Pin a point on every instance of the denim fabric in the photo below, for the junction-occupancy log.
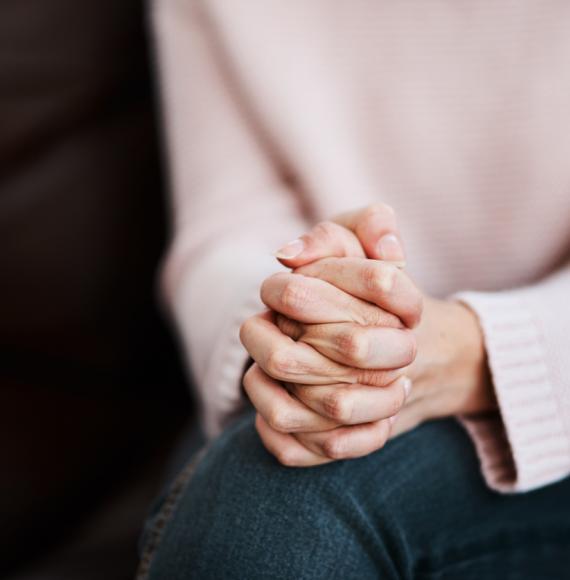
(418, 508)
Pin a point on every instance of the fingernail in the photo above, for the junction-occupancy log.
(407, 386)
(290, 250)
(392, 419)
(390, 248)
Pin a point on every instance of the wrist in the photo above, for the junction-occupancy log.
(450, 373)
(474, 385)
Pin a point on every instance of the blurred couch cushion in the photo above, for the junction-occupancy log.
(81, 210)
(90, 383)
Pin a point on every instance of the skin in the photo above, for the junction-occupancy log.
(346, 335)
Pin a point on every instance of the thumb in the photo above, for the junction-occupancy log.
(377, 230)
(325, 240)
(371, 232)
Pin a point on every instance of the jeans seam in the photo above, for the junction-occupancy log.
(164, 515)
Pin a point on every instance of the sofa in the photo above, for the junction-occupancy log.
(93, 396)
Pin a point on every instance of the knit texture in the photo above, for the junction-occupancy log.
(282, 113)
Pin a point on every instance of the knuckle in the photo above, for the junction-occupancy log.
(286, 456)
(294, 296)
(277, 363)
(379, 277)
(279, 420)
(338, 406)
(370, 276)
(354, 345)
(335, 447)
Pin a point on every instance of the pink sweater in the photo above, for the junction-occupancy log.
(281, 113)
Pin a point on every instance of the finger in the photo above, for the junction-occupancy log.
(365, 347)
(281, 411)
(354, 404)
(287, 360)
(311, 300)
(377, 230)
(347, 442)
(296, 362)
(286, 448)
(378, 282)
(326, 239)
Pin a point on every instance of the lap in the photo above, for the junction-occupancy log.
(418, 508)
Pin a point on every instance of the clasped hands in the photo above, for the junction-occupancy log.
(344, 340)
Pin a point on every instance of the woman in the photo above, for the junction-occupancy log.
(456, 115)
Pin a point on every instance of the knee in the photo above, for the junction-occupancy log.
(243, 515)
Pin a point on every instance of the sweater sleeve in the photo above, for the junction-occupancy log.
(527, 444)
(231, 207)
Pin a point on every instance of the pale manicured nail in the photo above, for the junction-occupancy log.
(290, 250)
(407, 386)
(390, 248)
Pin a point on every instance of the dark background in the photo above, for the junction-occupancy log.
(92, 394)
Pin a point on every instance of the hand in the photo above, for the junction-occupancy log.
(327, 387)
(450, 373)
(371, 232)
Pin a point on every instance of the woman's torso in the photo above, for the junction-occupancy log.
(456, 113)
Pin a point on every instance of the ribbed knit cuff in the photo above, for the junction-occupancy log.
(524, 446)
(221, 386)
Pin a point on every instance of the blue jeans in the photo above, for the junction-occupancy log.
(417, 509)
